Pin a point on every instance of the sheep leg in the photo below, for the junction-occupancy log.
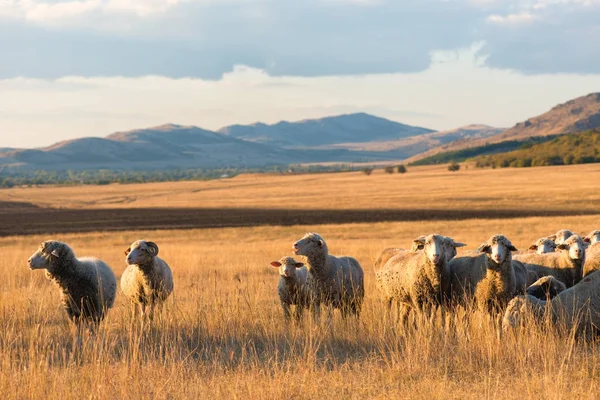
(286, 311)
(299, 311)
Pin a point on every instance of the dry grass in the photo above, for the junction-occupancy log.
(566, 187)
(223, 335)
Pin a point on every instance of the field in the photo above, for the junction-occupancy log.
(223, 335)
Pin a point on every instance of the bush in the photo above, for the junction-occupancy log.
(401, 169)
(454, 167)
(389, 170)
(367, 171)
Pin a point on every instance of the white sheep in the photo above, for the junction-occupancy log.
(292, 287)
(544, 245)
(566, 264)
(336, 282)
(592, 259)
(546, 288)
(490, 278)
(577, 308)
(417, 279)
(88, 286)
(592, 237)
(147, 281)
(561, 236)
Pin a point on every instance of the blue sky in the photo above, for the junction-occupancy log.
(90, 67)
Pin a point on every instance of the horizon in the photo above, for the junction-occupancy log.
(87, 68)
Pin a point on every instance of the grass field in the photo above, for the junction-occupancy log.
(223, 335)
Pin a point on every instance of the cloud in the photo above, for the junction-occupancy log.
(523, 17)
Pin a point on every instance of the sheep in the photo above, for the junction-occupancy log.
(577, 308)
(592, 259)
(88, 286)
(546, 288)
(147, 281)
(544, 245)
(561, 236)
(388, 253)
(292, 287)
(566, 264)
(336, 282)
(592, 237)
(492, 279)
(416, 279)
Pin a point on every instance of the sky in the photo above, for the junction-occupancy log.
(92, 67)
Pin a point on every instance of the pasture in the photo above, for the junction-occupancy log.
(222, 334)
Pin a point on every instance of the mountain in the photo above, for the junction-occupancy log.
(580, 114)
(310, 133)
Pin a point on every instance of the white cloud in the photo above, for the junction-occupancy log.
(520, 18)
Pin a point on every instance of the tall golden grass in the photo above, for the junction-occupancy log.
(222, 334)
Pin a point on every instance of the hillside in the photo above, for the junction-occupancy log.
(576, 148)
(576, 115)
(310, 133)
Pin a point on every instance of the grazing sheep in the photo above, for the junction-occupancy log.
(292, 287)
(147, 280)
(336, 282)
(592, 259)
(566, 264)
(88, 286)
(416, 279)
(577, 307)
(546, 288)
(543, 245)
(561, 236)
(491, 278)
(592, 237)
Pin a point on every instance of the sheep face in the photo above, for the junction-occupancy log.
(141, 252)
(592, 237)
(449, 247)
(309, 244)
(543, 245)
(433, 247)
(561, 236)
(497, 248)
(47, 255)
(287, 266)
(575, 246)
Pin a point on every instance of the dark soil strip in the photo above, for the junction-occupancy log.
(24, 221)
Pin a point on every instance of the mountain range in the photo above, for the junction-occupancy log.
(345, 138)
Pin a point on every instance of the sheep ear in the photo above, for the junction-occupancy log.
(320, 243)
(299, 265)
(55, 253)
(562, 246)
(552, 237)
(458, 244)
(512, 248)
(533, 247)
(587, 239)
(484, 248)
(276, 264)
(418, 243)
(153, 247)
(127, 251)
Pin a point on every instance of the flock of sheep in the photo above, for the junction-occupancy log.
(555, 278)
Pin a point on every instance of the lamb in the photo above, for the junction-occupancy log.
(147, 281)
(566, 264)
(492, 279)
(417, 279)
(544, 245)
(561, 236)
(577, 308)
(88, 286)
(336, 282)
(592, 237)
(292, 287)
(546, 288)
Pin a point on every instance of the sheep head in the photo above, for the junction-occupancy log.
(433, 246)
(544, 245)
(310, 244)
(562, 235)
(48, 254)
(592, 237)
(497, 248)
(450, 247)
(287, 266)
(575, 246)
(141, 252)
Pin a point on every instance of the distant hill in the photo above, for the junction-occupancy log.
(576, 115)
(310, 133)
(576, 148)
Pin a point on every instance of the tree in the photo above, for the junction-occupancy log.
(453, 167)
(367, 171)
(401, 169)
(389, 170)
